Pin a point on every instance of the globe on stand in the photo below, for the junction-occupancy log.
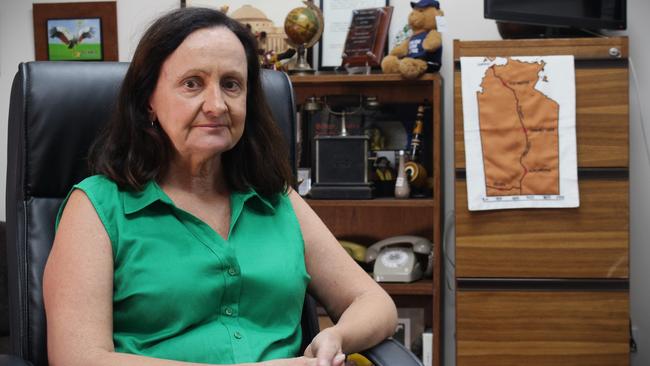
(304, 27)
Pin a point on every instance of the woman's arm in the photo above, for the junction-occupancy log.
(78, 295)
(78, 287)
(363, 311)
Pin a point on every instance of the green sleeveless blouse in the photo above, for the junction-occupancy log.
(182, 292)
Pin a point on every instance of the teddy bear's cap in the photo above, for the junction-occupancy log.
(425, 4)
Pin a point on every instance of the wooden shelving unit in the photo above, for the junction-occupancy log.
(422, 287)
(367, 221)
(377, 202)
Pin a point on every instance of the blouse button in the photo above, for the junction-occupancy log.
(228, 311)
(232, 271)
(237, 335)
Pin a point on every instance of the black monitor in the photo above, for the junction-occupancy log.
(582, 14)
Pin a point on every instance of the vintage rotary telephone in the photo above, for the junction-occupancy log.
(402, 258)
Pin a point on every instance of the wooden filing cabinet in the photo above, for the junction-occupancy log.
(550, 286)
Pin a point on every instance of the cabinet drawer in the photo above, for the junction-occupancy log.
(580, 48)
(535, 328)
(601, 118)
(586, 242)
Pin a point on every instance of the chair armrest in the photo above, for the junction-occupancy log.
(391, 352)
(10, 360)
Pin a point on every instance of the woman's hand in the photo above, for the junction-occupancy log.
(326, 347)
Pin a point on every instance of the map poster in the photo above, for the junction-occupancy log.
(520, 132)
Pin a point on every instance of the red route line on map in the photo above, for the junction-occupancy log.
(523, 127)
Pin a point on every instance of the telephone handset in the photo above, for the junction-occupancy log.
(356, 251)
(400, 258)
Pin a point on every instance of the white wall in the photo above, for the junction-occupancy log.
(639, 33)
(17, 45)
(465, 19)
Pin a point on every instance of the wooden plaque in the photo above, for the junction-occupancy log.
(364, 44)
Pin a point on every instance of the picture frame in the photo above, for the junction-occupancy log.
(85, 31)
(413, 320)
(338, 17)
(403, 332)
(74, 39)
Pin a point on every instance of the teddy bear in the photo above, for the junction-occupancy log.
(422, 52)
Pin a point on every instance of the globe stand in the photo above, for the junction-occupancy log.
(302, 67)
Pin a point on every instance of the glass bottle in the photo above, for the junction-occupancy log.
(402, 187)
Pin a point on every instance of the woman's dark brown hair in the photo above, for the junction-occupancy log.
(131, 152)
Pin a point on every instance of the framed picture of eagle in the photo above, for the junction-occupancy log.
(75, 31)
(74, 39)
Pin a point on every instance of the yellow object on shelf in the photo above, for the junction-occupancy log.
(356, 251)
(417, 174)
(356, 359)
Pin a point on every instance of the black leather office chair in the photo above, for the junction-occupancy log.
(56, 110)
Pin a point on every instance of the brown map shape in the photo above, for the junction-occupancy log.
(519, 132)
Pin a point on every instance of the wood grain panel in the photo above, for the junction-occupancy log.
(421, 287)
(581, 48)
(378, 203)
(586, 242)
(368, 224)
(541, 328)
(388, 88)
(322, 78)
(602, 117)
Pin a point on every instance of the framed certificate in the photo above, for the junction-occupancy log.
(338, 16)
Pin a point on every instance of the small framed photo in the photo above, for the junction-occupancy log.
(74, 39)
(85, 31)
(413, 320)
(403, 332)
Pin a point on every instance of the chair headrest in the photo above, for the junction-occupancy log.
(57, 109)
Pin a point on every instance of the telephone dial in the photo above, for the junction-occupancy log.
(404, 258)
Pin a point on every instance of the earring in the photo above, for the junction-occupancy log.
(152, 116)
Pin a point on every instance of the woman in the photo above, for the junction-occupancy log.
(188, 246)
